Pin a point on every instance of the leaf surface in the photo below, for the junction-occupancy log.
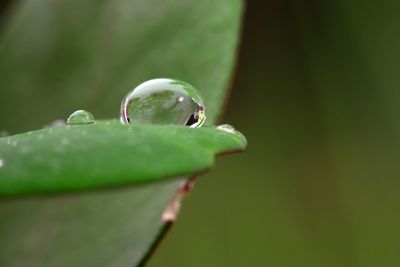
(70, 158)
(60, 56)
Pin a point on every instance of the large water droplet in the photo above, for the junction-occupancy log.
(80, 117)
(163, 101)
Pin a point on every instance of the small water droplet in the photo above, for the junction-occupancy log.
(1, 163)
(56, 123)
(4, 133)
(80, 117)
(231, 130)
(14, 143)
(163, 101)
(226, 128)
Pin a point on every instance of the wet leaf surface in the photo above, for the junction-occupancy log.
(60, 56)
(70, 158)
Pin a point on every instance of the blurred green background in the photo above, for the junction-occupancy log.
(316, 92)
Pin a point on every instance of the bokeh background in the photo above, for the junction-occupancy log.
(316, 91)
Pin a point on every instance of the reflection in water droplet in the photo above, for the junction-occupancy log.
(80, 117)
(1, 163)
(226, 128)
(163, 101)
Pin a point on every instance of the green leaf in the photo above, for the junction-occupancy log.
(60, 56)
(99, 228)
(70, 158)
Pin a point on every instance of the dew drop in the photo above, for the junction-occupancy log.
(231, 130)
(80, 117)
(226, 128)
(163, 101)
(1, 163)
(56, 123)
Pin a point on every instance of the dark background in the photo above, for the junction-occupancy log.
(316, 92)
